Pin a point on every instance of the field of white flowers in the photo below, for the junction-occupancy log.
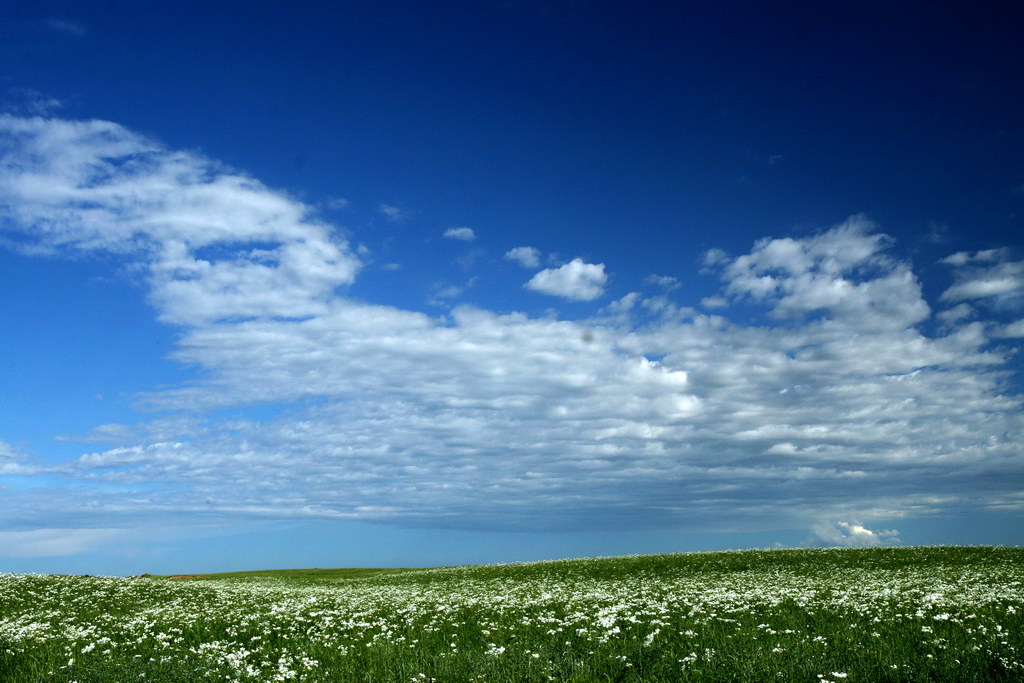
(894, 614)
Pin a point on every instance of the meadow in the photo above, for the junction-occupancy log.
(836, 615)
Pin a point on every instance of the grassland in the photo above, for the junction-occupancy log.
(297, 575)
(885, 614)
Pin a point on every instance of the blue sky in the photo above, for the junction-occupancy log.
(407, 284)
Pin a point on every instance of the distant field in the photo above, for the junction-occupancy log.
(892, 614)
(293, 574)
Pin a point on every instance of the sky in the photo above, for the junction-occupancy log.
(417, 284)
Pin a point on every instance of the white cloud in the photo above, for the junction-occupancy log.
(964, 257)
(956, 314)
(216, 243)
(527, 257)
(649, 415)
(624, 305)
(413, 413)
(666, 282)
(449, 292)
(465, 234)
(443, 292)
(853, 535)
(576, 280)
(842, 271)
(7, 451)
(958, 259)
(12, 461)
(983, 275)
(1014, 330)
(714, 257)
(713, 302)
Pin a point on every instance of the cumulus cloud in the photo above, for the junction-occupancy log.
(853, 535)
(465, 234)
(527, 257)
(842, 271)
(576, 280)
(647, 415)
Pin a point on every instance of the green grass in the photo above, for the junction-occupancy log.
(892, 614)
(298, 575)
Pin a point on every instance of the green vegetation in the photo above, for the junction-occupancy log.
(291, 574)
(885, 614)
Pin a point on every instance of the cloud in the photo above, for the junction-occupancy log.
(527, 257)
(338, 203)
(938, 233)
(853, 535)
(392, 213)
(986, 274)
(450, 292)
(842, 271)
(956, 314)
(464, 234)
(216, 244)
(576, 280)
(56, 542)
(714, 257)
(964, 257)
(12, 461)
(666, 282)
(33, 102)
(713, 302)
(648, 415)
(1014, 330)
(66, 27)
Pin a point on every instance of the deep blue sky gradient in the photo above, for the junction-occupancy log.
(636, 135)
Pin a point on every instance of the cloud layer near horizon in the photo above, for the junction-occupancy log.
(647, 415)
